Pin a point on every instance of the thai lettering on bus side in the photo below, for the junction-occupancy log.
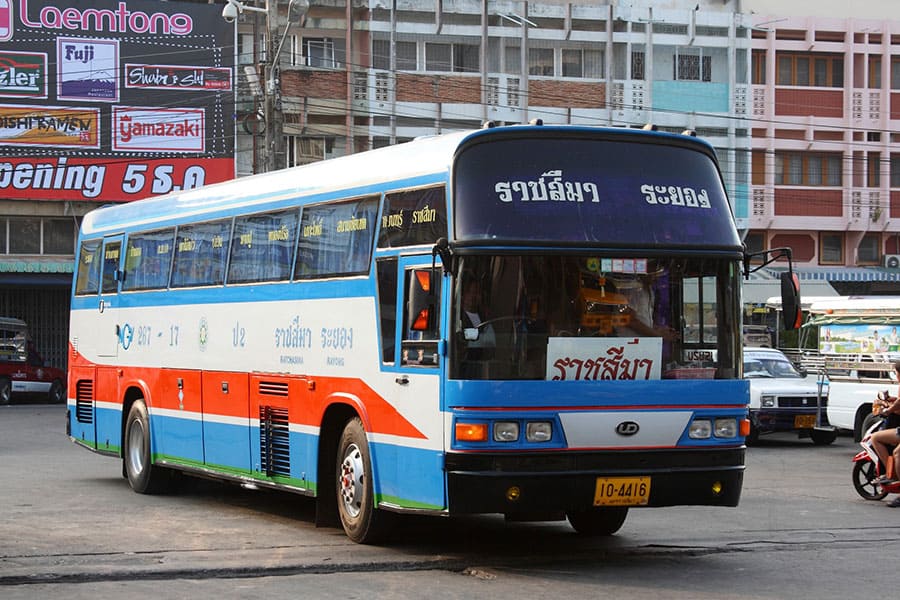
(554, 189)
(238, 336)
(425, 214)
(393, 221)
(675, 195)
(614, 367)
(312, 230)
(293, 336)
(352, 224)
(339, 338)
(280, 235)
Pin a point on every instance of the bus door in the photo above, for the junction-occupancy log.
(420, 359)
(109, 333)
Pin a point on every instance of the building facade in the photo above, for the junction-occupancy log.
(825, 159)
(101, 101)
(802, 110)
(363, 75)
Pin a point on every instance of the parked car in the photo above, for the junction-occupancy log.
(22, 370)
(785, 399)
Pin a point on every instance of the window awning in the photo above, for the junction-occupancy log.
(39, 272)
(758, 291)
(37, 266)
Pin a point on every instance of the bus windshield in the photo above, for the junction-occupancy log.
(591, 317)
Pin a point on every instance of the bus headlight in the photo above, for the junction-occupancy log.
(539, 431)
(701, 429)
(726, 428)
(506, 431)
(767, 401)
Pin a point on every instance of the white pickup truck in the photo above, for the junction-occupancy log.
(854, 380)
(785, 399)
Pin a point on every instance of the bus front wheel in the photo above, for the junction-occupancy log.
(598, 521)
(362, 522)
(143, 476)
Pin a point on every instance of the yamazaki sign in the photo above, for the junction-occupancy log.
(109, 180)
(113, 100)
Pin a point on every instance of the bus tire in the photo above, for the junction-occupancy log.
(363, 523)
(143, 476)
(597, 521)
(5, 391)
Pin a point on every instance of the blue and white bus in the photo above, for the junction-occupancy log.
(537, 321)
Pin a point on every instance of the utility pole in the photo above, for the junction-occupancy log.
(274, 147)
(273, 157)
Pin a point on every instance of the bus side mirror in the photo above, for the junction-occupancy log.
(420, 301)
(790, 301)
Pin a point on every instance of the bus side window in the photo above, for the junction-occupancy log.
(87, 280)
(387, 305)
(111, 271)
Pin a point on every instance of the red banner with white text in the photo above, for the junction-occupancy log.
(107, 180)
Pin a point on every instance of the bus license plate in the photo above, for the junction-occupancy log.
(622, 491)
(804, 421)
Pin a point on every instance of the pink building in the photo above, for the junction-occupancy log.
(825, 176)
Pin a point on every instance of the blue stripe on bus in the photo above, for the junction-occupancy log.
(410, 477)
(266, 292)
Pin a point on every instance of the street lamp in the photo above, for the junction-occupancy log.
(273, 117)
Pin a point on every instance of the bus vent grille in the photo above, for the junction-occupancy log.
(274, 388)
(84, 398)
(274, 441)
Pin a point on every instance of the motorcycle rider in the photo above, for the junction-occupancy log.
(889, 436)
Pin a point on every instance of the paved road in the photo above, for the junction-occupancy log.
(70, 517)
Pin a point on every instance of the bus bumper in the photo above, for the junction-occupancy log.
(482, 483)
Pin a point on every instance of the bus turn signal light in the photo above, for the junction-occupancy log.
(745, 427)
(471, 432)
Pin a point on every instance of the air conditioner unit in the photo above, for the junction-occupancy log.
(892, 261)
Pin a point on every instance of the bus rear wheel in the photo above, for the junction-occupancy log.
(597, 521)
(362, 522)
(143, 476)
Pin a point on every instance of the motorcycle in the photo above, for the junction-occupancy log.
(866, 465)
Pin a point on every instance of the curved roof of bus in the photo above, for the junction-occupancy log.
(431, 155)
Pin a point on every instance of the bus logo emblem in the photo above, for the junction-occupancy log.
(627, 428)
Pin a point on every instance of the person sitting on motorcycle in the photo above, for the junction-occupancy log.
(889, 436)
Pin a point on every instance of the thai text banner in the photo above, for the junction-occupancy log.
(69, 178)
(591, 191)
